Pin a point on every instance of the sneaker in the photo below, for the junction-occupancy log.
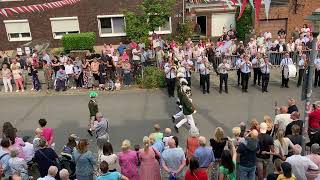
(31, 89)
(17, 90)
(22, 90)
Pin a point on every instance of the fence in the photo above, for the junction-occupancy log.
(274, 57)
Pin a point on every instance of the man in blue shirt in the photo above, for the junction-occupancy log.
(204, 154)
(121, 48)
(106, 175)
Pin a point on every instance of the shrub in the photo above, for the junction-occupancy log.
(81, 41)
(152, 78)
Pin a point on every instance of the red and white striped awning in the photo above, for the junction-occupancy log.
(6, 12)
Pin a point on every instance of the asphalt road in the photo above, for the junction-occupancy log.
(132, 113)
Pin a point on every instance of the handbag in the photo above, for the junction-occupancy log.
(56, 162)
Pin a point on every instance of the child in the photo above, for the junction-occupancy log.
(6, 78)
(157, 133)
(117, 85)
(35, 80)
(167, 136)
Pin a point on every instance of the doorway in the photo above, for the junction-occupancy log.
(202, 23)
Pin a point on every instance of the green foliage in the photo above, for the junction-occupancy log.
(136, 28)
(157, 12)
(153, 77)
(80, 41)
(244, 24)
(184, 31)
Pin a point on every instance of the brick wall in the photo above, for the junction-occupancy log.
(293, 20)
(85, 10)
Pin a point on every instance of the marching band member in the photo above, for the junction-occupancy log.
(188, 66)
(238, 63)
(170, 71)
(302, 65)
(187, 109)
(223, 69)
(256, 69)
(245, 72)
(265, 71)
(285, 62)
(317, 72)
(180, 84)
(93, 110)
(205, 75)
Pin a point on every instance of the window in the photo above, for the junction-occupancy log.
(18, 30)
(64, 25)
(166, 29)
(111, 25)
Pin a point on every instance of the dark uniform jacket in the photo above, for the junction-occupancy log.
(93, 107)
(187, 106)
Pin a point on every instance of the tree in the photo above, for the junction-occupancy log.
(156, 12)
(184, 31)
(136, 27)
(244, 24)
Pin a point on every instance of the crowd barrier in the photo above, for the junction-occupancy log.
(274, 57)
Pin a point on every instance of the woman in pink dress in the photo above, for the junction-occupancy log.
(150, 168)
(128, 161)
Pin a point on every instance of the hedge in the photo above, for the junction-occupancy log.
(80, 41)
(153, 77)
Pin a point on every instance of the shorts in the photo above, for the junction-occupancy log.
(262, 163)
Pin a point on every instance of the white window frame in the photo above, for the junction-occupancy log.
(110, 34)
(61, 19)
(20, 35)
(159, 31)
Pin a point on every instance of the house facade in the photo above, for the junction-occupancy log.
(104, 17)
(212, 15)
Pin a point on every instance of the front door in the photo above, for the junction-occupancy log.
(202, 23)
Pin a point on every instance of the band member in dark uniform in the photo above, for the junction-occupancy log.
(265, 71)
(93, 109)
(170, 71)
(245, 72)
(205, 75)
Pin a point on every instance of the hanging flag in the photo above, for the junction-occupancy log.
(243, 7)
(36, 7)
(257, 10)
(267, 7)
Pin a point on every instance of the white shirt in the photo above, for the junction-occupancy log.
(203, 69)
(187, 64)
(28, 151)
(317, 63)
(265, 67)
(115, 59)
(255, 63)
(282, 120)
(170, 72)
(238, 63)
(135, 55)
(68, 68)
(285, 62)
(223, 68)
(245, 67)
(301, 64)
(112, 161)
(300, 165)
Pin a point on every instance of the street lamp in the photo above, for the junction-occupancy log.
(307, 87)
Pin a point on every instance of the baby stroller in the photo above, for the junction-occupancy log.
(67, 162)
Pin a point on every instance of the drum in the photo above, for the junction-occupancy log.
(292, 70)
